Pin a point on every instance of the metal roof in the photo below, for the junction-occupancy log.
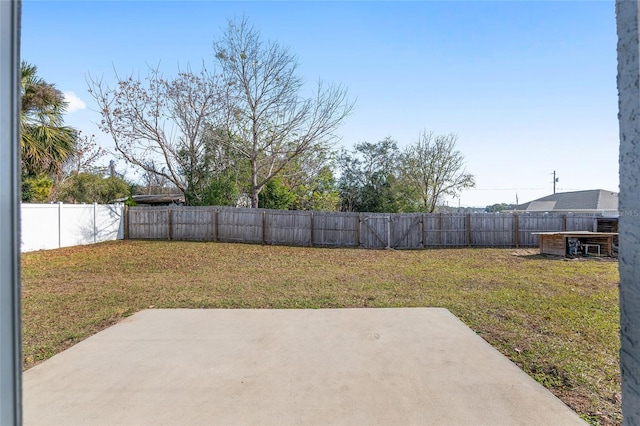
(156, 199)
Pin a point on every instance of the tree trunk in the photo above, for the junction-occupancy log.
(254, 185)
(254, 198)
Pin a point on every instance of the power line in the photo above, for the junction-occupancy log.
(504, 189)
(523, 189)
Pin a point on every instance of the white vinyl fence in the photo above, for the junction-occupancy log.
(51, 226)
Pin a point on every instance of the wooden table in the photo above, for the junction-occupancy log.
(556, 243)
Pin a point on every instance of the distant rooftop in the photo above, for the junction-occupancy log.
(158, 200)
(594, 200)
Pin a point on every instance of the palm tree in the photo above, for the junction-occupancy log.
(45, 141)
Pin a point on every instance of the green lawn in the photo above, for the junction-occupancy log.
(557, 319)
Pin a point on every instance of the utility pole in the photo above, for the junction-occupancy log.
(555, 179)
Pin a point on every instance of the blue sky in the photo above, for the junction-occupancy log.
(528, 87)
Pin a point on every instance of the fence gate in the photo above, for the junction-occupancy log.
(407, 231)
(375, 230)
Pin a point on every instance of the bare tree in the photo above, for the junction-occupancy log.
(160, 125)
(433, 168)
(273, 124)
(85, 157)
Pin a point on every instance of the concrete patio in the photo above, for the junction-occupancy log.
(283, 367)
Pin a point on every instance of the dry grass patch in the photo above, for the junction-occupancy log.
(558, 320)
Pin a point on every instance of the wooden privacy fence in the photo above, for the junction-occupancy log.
(338, 229)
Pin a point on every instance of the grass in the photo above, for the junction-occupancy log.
(558, 320)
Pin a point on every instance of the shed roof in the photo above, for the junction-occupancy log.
(157, 199)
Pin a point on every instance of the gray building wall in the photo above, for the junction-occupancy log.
(10, 342)
(629, 206)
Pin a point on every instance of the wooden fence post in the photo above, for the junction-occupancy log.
(468, 226)
(214, 224)
(310, 229)
(422, 230)
(564, 223)
(264, 222)
(126, 222)
(169, 225)
(358, 230)
(439, 222)
(516, 230)
(217, 224)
